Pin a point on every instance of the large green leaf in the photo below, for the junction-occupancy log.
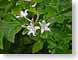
(37, 46)
(12, 32)
(9, 29)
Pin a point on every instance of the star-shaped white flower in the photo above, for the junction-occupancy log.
(44, 26)
(32, 29)
(23, 14)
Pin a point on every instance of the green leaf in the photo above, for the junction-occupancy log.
(10, 28)
(1, 39)
(59, 19)
(37, 46)
(51, 44)
(51, 11)
(12, 32)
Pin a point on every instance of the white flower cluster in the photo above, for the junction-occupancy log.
(32, 29)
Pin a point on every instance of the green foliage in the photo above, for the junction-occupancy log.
(14, 38)
(1, 40)
(37, 46)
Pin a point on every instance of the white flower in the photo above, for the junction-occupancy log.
(23, 14)
(32, 29)
(44, 26)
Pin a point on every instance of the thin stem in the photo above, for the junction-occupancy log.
(28, 19)
(37, 17)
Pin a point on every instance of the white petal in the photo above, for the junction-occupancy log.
(17, 16)
(29, 32)
(42, 30)
(23, 33)
(26, 14)
(33, 33)
(31, 24)
(43, 21)
(48, 24)
(34, 4)
(26, 10)
(40, 23)
(23, 14)
(48, 29)
(28, 27)
(37, 27)
(23, 26)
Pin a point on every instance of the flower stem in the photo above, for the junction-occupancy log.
(37, 17)
(28, 19)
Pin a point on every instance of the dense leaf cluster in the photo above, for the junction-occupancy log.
(57, 41)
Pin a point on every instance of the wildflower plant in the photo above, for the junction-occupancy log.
(36, 26)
